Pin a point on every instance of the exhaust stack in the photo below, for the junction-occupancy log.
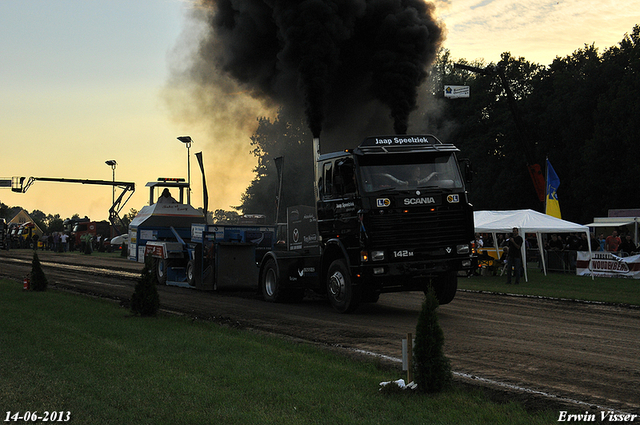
(316, 157)
(316, 148)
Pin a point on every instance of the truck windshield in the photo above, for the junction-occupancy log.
(415, 171)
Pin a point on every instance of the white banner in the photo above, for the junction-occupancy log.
(607, 264)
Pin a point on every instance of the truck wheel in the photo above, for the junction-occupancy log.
(343, 295)
(191, 270)
(269, 282)
(445, 287)
(161, 271)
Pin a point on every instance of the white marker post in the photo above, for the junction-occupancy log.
(407, 357)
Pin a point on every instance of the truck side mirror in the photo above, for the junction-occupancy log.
(467, 171)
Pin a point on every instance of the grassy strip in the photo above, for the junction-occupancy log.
(64, 352)
(560, 285)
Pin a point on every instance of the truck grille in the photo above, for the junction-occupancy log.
(418, 228)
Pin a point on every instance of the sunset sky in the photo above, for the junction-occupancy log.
(84, 82)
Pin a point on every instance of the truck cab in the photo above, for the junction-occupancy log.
(397, 206)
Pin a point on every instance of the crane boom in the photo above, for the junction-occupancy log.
(18, 184)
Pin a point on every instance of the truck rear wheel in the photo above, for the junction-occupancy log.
(343, 295)
(269, 282)
(272, 290)
(445, 287)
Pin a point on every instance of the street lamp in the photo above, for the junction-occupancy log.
(187, 141)
(112, 163)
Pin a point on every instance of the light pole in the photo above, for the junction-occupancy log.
(112, 163)
(187, 141)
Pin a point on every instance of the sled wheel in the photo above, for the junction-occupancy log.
(161, 271)
(191, 270)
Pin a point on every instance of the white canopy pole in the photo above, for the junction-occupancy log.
(495, 244)
(523, 252)
(589, 245)
(541, 249)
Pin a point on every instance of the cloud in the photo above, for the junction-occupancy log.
(537, 30)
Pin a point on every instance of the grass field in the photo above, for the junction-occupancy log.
(69, 353)
(560, 285)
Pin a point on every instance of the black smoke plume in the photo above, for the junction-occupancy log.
(339, 60)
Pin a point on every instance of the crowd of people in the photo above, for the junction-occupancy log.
(63, 242)
(568, 242)
(558, 246)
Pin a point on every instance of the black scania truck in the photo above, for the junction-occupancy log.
(391, 215)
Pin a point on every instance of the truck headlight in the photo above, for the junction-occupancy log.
(377, 255)
(463, 249)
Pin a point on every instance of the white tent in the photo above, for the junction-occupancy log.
(527, 221)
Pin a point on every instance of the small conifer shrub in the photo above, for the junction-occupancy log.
(145, 300)
(432, 369)
(38, 279)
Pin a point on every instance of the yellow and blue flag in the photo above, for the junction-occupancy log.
(552, 204)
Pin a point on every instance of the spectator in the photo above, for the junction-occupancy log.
(612, 242)
(555, 244)
(514, 258)
(584, 242)
(627, 246)
(595, 242)
(479, 242)
(573, 242)
(56, 242)
(44, 240)
(64, 240)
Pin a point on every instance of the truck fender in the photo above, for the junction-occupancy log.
(267, 256)
(333, 249)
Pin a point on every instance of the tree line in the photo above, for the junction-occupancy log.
(582, 112)
(49, 223)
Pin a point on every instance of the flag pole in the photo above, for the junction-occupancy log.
(546, 183)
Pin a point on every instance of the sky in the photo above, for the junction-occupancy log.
(86, 81)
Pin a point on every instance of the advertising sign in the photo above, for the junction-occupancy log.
(302, 227)
(454, 92)
(607, 264)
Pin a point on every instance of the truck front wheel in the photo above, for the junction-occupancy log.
(343, 295)
(445, 287)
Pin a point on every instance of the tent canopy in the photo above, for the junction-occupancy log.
(527, 221)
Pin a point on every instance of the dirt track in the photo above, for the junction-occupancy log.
(584, 352)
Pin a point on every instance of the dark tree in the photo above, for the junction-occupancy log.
(145, 300)
(38, 279)
(432, 369)
(582, 112)
(287, 137)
